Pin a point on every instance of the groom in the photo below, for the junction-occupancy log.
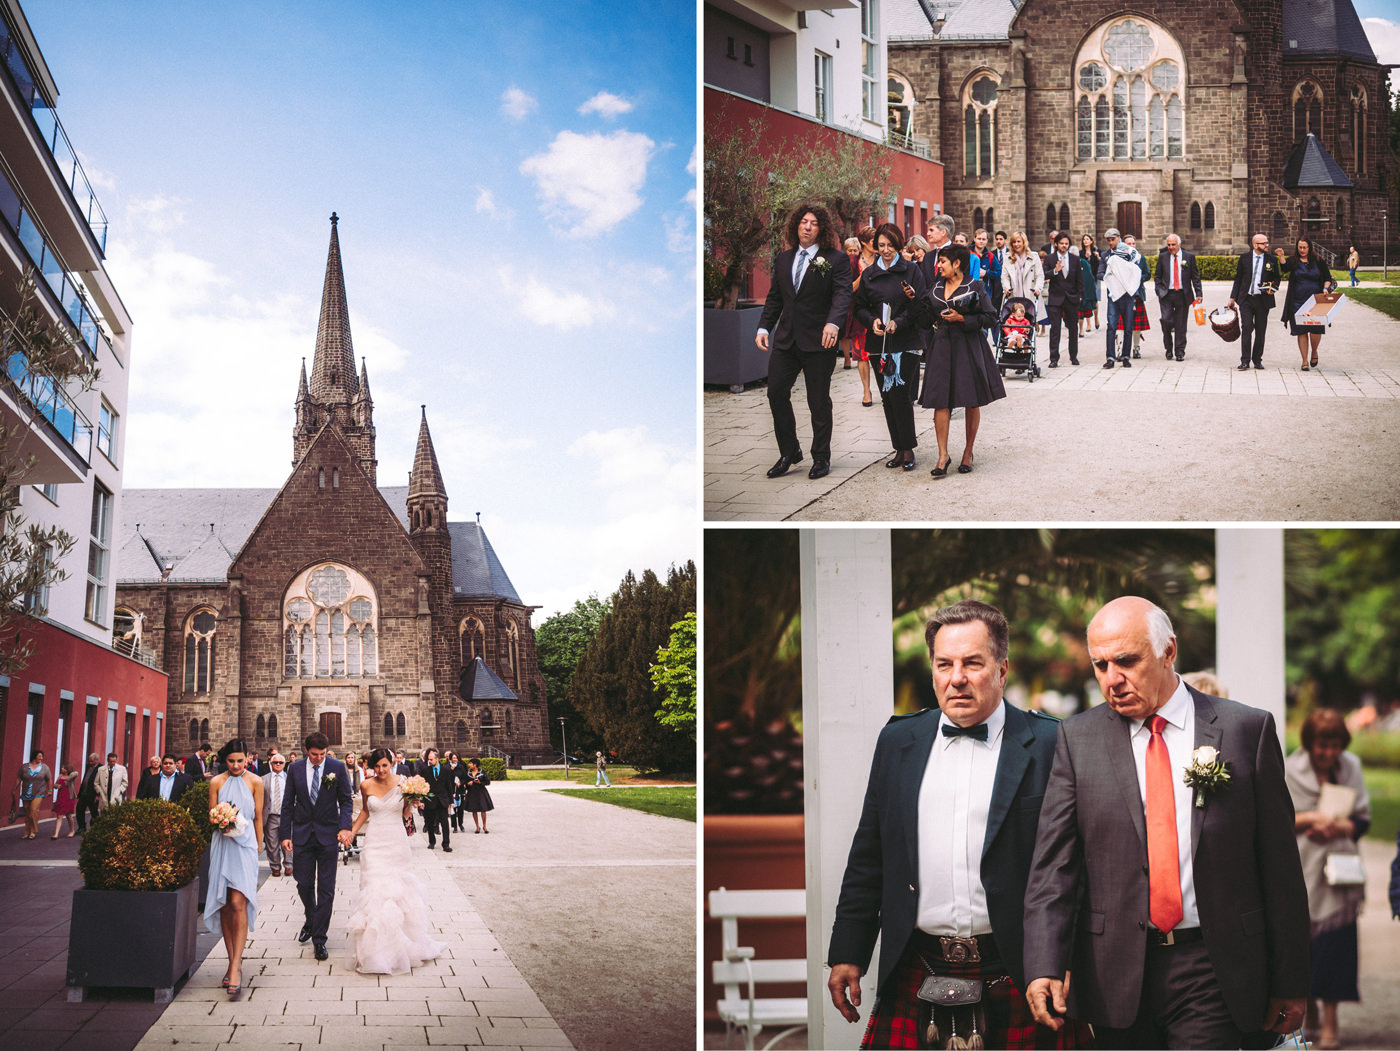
(316, 808)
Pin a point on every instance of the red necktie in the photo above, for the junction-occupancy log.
(1163, 869)
(1176, 272)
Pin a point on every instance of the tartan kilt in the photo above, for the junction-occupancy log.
(894, 1022)
(1139, 317)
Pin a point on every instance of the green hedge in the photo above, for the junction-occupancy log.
(493, 768)
(1211, 267)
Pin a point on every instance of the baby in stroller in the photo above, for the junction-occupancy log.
(1016, 326)
(1016, 342)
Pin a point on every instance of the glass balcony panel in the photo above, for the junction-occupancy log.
(53, 273)
(9, 204)
(30, 237)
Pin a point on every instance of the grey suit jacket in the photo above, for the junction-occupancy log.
(879, 894)
(267, 810)
(1087, 902)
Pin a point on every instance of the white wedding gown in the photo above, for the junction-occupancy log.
(388, 926)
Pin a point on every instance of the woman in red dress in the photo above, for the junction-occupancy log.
(67, 802)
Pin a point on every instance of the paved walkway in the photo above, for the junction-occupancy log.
(1199, 440)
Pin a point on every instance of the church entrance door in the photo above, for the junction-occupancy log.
(1130, 218)
(330, 726)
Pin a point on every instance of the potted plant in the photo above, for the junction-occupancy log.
(133, 922)
(196, 799)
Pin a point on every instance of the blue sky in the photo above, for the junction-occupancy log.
(1381, 20)
(515, 186)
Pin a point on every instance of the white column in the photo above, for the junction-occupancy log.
(847, 696)
(1249, 646)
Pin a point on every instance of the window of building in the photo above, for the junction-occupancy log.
(1129, 76)
(401, 725)
(320, 478)
(1358, 129)
(488, 723)
(509, 724)
(272, 727)
(36, 602)
(472, 636)
(1314, 208)
(1280, 231)
(200, 631)
(991, 222)
(870, 100)
(261, 730)
(50, 491)
(389, 722)
(107, 431)
(513, 654)
(1195, 215)
(900, 95)
(1210, 216)
(821, 72)
(462, 732)
(194, 731)
(980, 126)
(335, 477)
(976, 219)
(99, 554)
(329, 618)
(1064, 218)
(1049, 219)
(203, 730)
(1341, 215)
(1307, 109)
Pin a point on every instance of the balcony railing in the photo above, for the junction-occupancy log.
(52, 403)
(46, 121)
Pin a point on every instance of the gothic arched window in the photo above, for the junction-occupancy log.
(1064, 218)
(900, 109)
(1280, 232)
(1195, 215)
(1358, 129)
(203, 730)
(980, 126)
(328, 625)
(1307, 109)
(401, 725)
(1210, 216)
(388, 725)
(513, 654)
(976, 219)
(261, 730)
(200, 630)
(462, 732)
(272, 727)
(194, 731)
(991, 220)
(472, 636)
(1129, 78)
(509, 727)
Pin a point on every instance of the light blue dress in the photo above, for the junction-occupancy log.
(233, 860)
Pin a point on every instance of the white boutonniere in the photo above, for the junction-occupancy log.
(822, 265)
(1206, 773)
(329, 779)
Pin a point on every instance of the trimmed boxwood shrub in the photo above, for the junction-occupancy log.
(195, 799)
(1212, 267)
(146, 844)
(493, 768)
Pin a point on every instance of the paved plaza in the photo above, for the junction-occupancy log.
(572, 924)
(1163, 441)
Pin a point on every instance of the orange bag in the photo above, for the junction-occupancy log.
(1200, 315)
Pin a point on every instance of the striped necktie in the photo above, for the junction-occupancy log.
(315, 783)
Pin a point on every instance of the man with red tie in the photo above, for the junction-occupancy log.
(1178, 288)
(1173, 897)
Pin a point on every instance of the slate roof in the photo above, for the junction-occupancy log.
(980, 20)
(197, 532)
(1324, 27)
(1310, 165)
(480, 683)
(907, 20)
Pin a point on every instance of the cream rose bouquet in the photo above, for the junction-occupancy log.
(416, 788)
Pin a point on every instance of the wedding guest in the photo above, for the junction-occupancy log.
(150, 779)
(852, 247)
(111, 783)
(1089, 255)
(1021, 273)
(459, 772)
(274, 787)
(866, 258)
(1308, 276)
(478, 799)
(35, 781)
(87, 794)
(1324, 760)
(67, 800)
(231, 906)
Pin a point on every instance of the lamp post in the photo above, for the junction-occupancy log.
(563, 740)
(1385, 261)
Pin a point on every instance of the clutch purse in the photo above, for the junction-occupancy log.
(1344, 870)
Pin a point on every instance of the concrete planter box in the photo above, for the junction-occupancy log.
(132, 939)
(731, 359)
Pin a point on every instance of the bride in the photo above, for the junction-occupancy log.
(388, 925)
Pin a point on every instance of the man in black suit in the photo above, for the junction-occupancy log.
(806, 308)
(940, 235)
(1257, 277)
(87, 793)
(1178, 906)
(1065, 277)
(200, 765)
(442, 783)
(317, 808)
(950, 814)
(1178, 288)
(168, 784)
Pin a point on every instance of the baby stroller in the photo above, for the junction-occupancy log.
(1021, 358)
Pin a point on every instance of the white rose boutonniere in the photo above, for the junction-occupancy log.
(329, 779)
(822, 265)
(1206, 773)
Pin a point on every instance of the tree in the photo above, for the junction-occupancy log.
(741, 170)
(674, 675)
(612, 685)
(852, 179)
(559, 643)
(40, 361)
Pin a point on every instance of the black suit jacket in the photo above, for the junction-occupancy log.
(1065, 289)
(444, 786)
(150, 786)
(1244, 275)
(1087, 902)
(301, 820)
(879, 894)
(795, 319)
(1190, 275)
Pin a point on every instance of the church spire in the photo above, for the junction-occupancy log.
(425, 480)
(333, 375)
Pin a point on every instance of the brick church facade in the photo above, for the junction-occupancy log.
(332, 603)
(1153, 116)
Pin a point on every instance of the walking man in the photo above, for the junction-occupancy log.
(1120, 277)
(1257, 277)
(1178, 288)
(1065, 279)
(274, 790)
(316, 814)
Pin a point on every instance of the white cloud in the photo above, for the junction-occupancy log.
(554, 307)
(680, 233)
(607, 105)
(486, 202)
(591, 181)
(517, 104)
(1384, 35)
(691, 164)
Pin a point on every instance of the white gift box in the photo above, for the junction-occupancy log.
(1320, 310)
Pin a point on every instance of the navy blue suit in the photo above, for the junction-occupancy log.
(313, 830)
(879, 894)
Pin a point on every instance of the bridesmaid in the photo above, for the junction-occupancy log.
(232, 900)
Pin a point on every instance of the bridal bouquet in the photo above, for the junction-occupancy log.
(226, 818)
(416, 788)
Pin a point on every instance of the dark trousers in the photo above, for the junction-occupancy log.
(1120, 308)
(816, 369)
(899, 404)
(1069, 313)
(1254, 316)
(1176, 312)
(313, 868)
(86, 809)
(435, 820)
(1181, 1005)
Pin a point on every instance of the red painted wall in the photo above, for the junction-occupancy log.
(65, 662)
(919, 180)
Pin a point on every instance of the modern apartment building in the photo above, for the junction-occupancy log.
(75, 694)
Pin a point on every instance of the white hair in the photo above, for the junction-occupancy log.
(1159, 630)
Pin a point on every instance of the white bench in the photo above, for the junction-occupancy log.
(739, 972)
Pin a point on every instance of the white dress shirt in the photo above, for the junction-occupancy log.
(1258, 270)
(277, 789)
(1180, 738)
(167, 782)
(954, 800)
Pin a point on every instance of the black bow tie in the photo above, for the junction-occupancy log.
(953, 730)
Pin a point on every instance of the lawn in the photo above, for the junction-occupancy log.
(1383, 299)
(667, 802)
(585, 774)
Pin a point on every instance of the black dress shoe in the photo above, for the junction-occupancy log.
(1258, 364)
(910, 464)
(1241, 368)
(1054, 364)
(1108, 364)
(820, 469)
(1125, 363)
(1074, 361)
(1137, 353)
(447, 850)
(321, 953)
(895, 460)
(784, 463)
(1181, 357)
(1169, 355)
(305, 935)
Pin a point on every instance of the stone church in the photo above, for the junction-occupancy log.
(1214, 119)
(332, 603)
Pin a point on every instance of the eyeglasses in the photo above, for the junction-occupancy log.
(278, 762)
